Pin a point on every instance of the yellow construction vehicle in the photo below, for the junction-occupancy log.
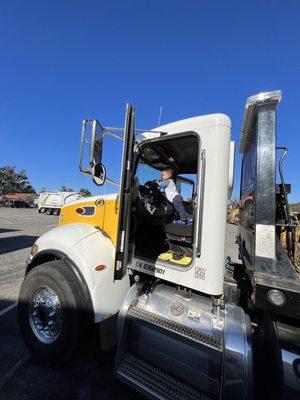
(233, 216)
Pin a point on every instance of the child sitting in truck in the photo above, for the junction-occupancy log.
(168, 185)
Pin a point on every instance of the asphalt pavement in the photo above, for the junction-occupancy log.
(90, 374)
(19, 229)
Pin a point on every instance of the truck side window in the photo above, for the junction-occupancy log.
(186, 187)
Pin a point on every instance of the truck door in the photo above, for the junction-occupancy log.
(93, 134)
(124, 245)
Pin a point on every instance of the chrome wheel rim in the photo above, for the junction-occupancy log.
(45, 315)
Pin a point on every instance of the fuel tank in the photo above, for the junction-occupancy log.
(175, 344)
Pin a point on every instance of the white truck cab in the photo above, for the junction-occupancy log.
(184, 330)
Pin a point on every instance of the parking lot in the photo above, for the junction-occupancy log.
(90, 374)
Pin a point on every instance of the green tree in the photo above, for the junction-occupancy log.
(85, 192)
(12, 181)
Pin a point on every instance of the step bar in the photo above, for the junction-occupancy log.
(153, 383)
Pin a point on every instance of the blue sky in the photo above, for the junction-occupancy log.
(62, 61)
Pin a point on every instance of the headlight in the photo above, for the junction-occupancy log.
(34, 249)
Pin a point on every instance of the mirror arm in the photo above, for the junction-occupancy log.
(85, 171)
(111, 181)
(108, 132)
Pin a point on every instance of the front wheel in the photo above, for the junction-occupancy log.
(50, 312)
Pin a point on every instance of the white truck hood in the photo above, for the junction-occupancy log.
(63, 238)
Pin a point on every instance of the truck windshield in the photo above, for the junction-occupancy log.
(147, 173)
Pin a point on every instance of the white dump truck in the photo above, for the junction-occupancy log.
(188, 324)
(51, 202)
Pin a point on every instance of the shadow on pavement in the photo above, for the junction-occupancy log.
(14, 243)
(5, 303)
(4, 230)
(90, 375)
(12, 348)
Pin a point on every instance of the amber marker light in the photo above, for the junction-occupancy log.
(100, 267)
(34, 249)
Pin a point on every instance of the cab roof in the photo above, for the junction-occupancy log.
(183, 150)
(188, 124)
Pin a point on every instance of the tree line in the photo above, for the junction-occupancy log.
(13, 181)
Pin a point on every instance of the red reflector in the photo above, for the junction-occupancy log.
(80, 210)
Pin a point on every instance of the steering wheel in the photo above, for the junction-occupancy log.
(157, 195)
(152, 185)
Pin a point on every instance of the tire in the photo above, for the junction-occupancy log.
(49, 211)
(55, 346)
(42, 210)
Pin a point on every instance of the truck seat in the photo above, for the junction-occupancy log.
(179, 232)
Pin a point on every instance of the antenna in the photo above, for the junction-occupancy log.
(159, 116)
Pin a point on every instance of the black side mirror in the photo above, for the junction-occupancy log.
(99, 174)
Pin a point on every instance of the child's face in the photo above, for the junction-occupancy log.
(166, 174)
